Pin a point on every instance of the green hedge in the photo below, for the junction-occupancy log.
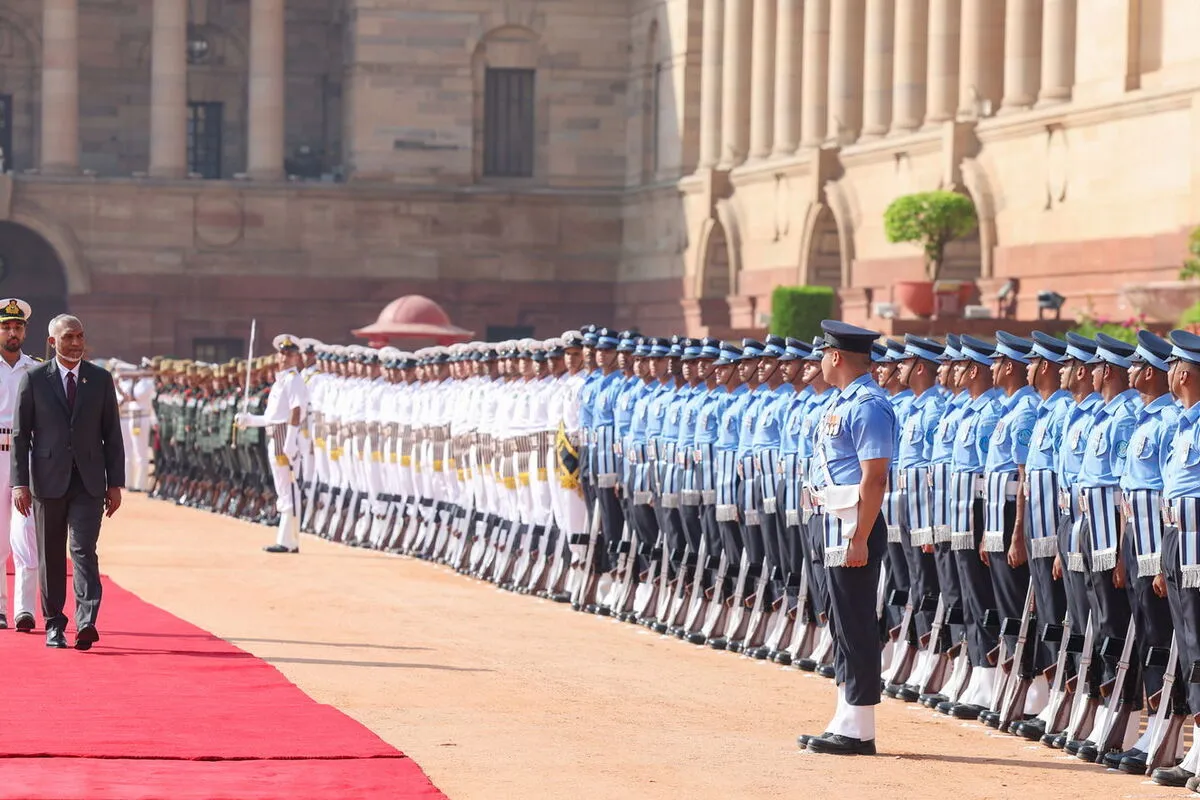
(797, 311)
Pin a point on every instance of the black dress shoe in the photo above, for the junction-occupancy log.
(3, 622)
(1113, 760)
(1171, 776)
(932, 699)
(718, 643)
(735, 647)
(56, 638)
(25, 622)
(945, 707)
(990, 718)
(1056, 740)
(278, 548)
(909, 694)
(782, 657)
(696, 638)
(827, 671)
(1031, 729)
(892, 690)
(965, 710)
(804, 738)
(86, 637)
(1073, 747)
(806, 664)
(835, 744)
(1088, 752)
(1133, 764)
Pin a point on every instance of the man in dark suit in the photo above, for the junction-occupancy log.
(68, 467)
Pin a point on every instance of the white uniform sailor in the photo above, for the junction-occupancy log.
(18, 534)
(287, 405)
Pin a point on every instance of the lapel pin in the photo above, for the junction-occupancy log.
(83, 380)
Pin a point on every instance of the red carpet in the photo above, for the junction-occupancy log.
(161, 708)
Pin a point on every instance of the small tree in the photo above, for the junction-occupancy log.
(1191, 266)
(932, 220)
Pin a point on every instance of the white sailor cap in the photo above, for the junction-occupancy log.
(285, 341)
(12, 308)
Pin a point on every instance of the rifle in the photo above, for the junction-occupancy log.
(1083, 709)
(1111, 737)
(1012, 705)
(779, 626)
(904, 655)
(690, 593)
(620, 593)
(645, 597)
(796, 641)
(933, 662)
(719, 609)
(585, 586)
(759, 614)
(714, 605)
(1168, 725)
(668, 587)
(1059, 705)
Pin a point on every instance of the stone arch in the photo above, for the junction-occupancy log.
(838, 202)
(31, 269)
(62, 242)
(20, 64)
(820, 249)
(979, 189)
(511, 46)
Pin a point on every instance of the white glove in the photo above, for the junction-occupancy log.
(240, 419)
(291, 443)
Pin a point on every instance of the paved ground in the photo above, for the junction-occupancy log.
(504, 696)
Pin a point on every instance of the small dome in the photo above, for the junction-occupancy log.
(413, 309)
(413, 316)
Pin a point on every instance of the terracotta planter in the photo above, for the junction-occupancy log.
(1162, 301)
(915, 296)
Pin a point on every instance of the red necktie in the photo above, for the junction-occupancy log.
(71, 392)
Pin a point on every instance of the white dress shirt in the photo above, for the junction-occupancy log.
(64, 370)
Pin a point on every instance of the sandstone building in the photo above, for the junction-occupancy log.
(176, 167)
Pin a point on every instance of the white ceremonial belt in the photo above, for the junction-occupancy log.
(1010, 487)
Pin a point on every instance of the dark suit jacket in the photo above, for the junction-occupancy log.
(47, 441)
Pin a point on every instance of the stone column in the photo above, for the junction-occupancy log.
(60, 87)
(846, 30)
(735, 84)
(942, 94)
(710, 82)
(877, 68)
(1058, 51)
(168, 89)
(816, 72)
(789, 32)
(981, 56)
(1022, 53)
(762, 80)
(912, 46)
(267, 43)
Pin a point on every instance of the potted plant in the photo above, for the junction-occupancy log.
(931, 220)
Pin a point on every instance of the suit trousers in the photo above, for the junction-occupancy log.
(857, 657)
(75, 518)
